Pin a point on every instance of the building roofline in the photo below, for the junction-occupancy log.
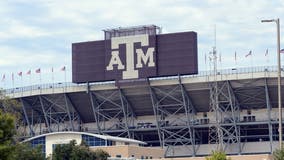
(105, 137)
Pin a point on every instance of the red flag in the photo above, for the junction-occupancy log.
(37, 71)
(249, 54)
(63, 68)
(3, 78)
(20, 74)
(266, 52)
(29, 72)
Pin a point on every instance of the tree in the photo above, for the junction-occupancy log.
(101, 154)
(278, 154)
(10, 149)
(7, 131)
(25, 151)
(218, 155)
(72, 151)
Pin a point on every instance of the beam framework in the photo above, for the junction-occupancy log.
(225, 107)
(114, 107)
(173, 107)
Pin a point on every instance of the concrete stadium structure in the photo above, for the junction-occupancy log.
(169, 112)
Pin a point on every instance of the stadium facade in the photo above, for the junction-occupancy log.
(140, 84)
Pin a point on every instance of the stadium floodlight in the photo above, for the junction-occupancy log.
(277, 21)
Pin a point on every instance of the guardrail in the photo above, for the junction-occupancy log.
(200, 74)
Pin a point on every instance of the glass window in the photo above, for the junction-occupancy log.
(94, 141)
(39, 142)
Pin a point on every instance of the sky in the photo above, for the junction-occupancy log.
(39, 33)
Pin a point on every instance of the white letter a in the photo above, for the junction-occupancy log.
(115, 60)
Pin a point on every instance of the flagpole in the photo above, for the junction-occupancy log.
(13, 84)
(3, 80)
(267, 58)
(236, 64)
(4, 83)
(65, 79)
(30, 81)
(220, 59)
(22, 83)
(251, 65)
(40, 79)
(52, 77)
(205, 63)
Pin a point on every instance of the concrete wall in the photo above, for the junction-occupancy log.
(136, 151)
(206, 149)
(60, 139)
(241, 157)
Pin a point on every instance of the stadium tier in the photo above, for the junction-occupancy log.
(143, 85)
(172, 112)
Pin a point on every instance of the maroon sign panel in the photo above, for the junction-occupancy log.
(134, 57)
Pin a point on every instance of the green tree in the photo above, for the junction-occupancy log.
(218, 155)
(25, 151)
(278, 154)
(10, 149)
(7, 131)
(101, 154)
(72, 151)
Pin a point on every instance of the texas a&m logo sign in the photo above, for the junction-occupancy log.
(138, 53)
(128, 57)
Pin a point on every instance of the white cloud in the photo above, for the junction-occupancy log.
(16, 29)
(47, 28)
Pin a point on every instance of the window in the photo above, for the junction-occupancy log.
(110, 143)
(249, 112)
(94, 141)
(132, 155)
(39, 142)
(151, 157)
(142, 157)
(118, 156)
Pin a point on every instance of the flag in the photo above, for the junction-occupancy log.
(29, 72)
(20, 74)
(63, 68)
(205, 59)
(37, 71)
(3, 78)
(235, 56)
(266, 52)
(52, 69)
(249, 54)
(12, 76)
(282, 50)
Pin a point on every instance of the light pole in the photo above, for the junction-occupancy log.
(277, 21)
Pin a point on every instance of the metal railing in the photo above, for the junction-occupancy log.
(200, 74)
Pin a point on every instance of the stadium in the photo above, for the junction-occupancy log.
(156, 96)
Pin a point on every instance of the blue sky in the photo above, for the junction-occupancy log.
(38, 33)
